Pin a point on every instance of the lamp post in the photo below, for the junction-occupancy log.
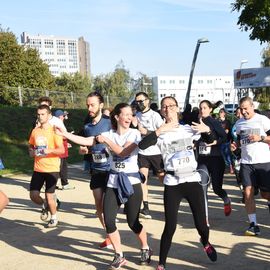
(199, 41)
(244, 61)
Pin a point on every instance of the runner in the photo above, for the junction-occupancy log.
(209, 154)
(124, 183)
(45, 146)
(181, 181)
(99, 158)
(253, 132)
(148, 121)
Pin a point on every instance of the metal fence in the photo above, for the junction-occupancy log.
(61, 99)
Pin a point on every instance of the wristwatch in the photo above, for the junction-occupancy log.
(262, 139)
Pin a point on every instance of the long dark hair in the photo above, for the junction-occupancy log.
(116, 111)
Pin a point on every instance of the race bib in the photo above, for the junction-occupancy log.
(204, 150)
(99, 157)
(245, 140)
(184, 163)
(39, 150)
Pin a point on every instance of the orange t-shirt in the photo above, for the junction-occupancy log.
(42, 138)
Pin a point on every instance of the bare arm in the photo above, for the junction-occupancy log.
(88, 141)
(121, 151)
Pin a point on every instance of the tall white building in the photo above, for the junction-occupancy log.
(212, 88)
(61, 54)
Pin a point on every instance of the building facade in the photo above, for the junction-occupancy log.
(212, 88)
(63, 55)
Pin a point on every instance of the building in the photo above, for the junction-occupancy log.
(213, 88)
(63, 55)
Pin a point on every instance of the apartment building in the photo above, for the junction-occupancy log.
(62, 54)
(213, 88)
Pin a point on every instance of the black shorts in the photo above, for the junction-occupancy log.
(256, 175)
(39, 178)
(99, 179)
(154, 162)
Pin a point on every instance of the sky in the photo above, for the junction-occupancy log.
(154, 37)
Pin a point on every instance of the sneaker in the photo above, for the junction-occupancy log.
(160, 267)
(146, 256)
(253, 230)
(227, 209)
(145, 213)
(211, 252)
(44, 214)
(52, 223)
(106, 244)
(67, 187)
(118, 261)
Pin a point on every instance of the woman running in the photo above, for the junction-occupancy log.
(124, 183)
(209, 153)
(181, 180)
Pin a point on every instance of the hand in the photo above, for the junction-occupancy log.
(167, 127)
(233, 146)
(254, 138)
(100, 139)
(200, 127)
(83, 150)
(212, 143)
(142, 129)
(31, 152)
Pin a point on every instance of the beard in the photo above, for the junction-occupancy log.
(93, 115)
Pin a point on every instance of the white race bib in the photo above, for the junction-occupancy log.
(204, 150)
(99, 158)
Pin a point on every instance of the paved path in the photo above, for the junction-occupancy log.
(26, 245)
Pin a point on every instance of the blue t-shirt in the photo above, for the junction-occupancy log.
(99, 155)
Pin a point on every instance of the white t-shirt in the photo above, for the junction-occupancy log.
(177, 152)
(128, 164)
(253, 152)
(150, 120)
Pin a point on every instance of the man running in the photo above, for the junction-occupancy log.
(148, 121)
(253, 131)
(45, 146)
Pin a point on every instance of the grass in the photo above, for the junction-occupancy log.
(15, 127)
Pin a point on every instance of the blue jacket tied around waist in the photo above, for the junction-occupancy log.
(124, 187)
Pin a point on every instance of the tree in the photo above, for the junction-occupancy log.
(20, 67)
(255, 16)
(115, 86)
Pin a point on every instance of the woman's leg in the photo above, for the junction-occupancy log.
(172, 198)
(111, 205)
(195, 197)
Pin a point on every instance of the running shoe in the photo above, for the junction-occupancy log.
(52, 223)
(118, 261)
(253, 230)
(146, 256)
(106, 244)
(67, 187)
(210, 252)
(145, 213)
(227, 209)
(160, 267)
(44, 214)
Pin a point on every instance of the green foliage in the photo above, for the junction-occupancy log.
(20, 67)
(15, 128)
(73, 83)
(254, 17)
(262, 95)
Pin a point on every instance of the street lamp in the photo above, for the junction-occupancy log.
(244, 61)
(199, 41)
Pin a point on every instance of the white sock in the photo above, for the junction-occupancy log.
(54, 217)
(252, 218)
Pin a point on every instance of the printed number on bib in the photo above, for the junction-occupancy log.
(245, 141)
(204, 150)
(119, 165)
(99, 158)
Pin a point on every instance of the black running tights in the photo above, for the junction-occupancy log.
(173, 195)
